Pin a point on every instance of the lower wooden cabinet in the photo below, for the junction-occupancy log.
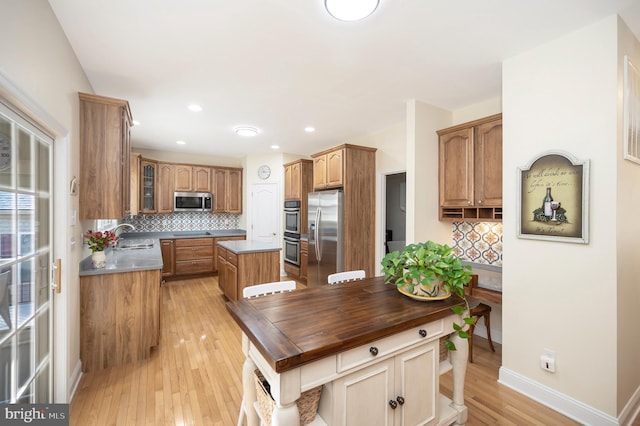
(194, 256)
(168, 258)
(216, 247)
(119, 318)
(237, 271)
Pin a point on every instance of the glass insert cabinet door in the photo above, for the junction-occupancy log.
(25, 261)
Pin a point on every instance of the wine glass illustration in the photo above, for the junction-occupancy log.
(555, 205)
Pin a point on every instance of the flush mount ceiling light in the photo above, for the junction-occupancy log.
(350, 10)
(181, 142)
(195, 108)
(247, 131)
(309, 129)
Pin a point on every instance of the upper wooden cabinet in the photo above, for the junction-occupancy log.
(182, 178)
(165, 188)
(201, 179)
(328, 169)
(352, 168)
(105, 172)
(470, 170)
(227, 190)
(298, 179)
(135, 183)
(148, 186)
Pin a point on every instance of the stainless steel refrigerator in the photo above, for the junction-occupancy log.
(325, 236)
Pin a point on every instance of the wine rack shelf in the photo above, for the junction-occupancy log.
(471, 214)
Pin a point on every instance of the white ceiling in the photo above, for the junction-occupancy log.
(281, 65)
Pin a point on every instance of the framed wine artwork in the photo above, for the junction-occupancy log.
(554, 198)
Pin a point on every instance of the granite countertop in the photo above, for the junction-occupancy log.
(126, 260)
(248, 246)
(144, 259)
(168, 235)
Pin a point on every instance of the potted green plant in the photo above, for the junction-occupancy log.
(429, 269)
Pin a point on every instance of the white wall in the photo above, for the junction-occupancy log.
(562, 296)
(36, 57)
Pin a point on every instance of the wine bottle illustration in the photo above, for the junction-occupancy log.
(546, 204)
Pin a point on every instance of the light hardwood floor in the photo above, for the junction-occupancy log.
(194, 376)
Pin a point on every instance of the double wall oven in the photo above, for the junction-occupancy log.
(292, 231)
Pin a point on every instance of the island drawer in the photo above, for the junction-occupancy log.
(232, 258)
(388, 345)
(196, 252)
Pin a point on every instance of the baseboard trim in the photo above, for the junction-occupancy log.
(631, 410)
(75, 380)
(555, 400)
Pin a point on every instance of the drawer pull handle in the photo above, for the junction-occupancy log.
(373, 350)
(422, 332)
(393, 404)
(400, 400)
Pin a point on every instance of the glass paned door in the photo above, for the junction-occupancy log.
(25, 259)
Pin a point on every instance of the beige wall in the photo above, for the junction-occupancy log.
(36, 57)
(627, 235)
(561, 296)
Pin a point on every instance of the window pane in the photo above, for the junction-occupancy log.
(6, 304)
(25, 161)
(5, 371)
(43, 290)
(25, 287)
(25, 355)
(5, 153)
(25, 398)
(43, 167)
(41, 385)
(42, 337)
(7, 227)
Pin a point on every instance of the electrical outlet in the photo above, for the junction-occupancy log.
(548, 361)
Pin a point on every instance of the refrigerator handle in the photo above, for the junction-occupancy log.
(317, 234)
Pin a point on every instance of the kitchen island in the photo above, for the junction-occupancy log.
(243, 263)
(374, 351)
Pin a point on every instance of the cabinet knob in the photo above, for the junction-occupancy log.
(422, 332)
(400, 400)
(469, 202)
(479, 201)
(393, 404)
(373, 350)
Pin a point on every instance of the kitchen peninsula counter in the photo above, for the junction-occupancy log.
(365, 342)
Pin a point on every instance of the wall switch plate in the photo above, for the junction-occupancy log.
(548, 361)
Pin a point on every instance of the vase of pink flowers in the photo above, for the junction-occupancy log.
(98, 241)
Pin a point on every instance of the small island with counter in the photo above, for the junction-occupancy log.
(246, 262)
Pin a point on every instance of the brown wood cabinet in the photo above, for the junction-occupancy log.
(201, 179)
(119, 318)
(148, 186)
(470, 170)
(135, 183)
(328, 169)
(105, 175)
(182, 177)
(216, 247)
(193, 256)
(298, 179)
(237, 271)
(353, 168)
(168, 258)
(165, 188)
(227, 190)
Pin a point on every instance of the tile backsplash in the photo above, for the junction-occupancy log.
(479, 242)
(185, 221)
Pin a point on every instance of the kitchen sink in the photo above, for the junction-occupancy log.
(134, 244)
(191, 234)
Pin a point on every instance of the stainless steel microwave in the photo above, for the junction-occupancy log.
(192, 201)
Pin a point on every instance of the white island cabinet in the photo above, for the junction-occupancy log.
(374, 351)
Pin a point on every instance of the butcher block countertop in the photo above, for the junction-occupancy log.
(305, 325)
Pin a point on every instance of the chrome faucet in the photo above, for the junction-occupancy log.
(133, 228)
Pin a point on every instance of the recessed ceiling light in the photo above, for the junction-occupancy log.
(181, 142)
(275, 146)
(247, 131)
(350, 10)
(195, 108)
(309, 129)
(136, 122)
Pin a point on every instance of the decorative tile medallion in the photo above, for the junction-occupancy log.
(186, 221)
(479, 242)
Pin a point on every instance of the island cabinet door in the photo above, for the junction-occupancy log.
(417, 386)
(362, 397)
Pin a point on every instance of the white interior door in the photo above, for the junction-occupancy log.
(25, 259)
(265, 212)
